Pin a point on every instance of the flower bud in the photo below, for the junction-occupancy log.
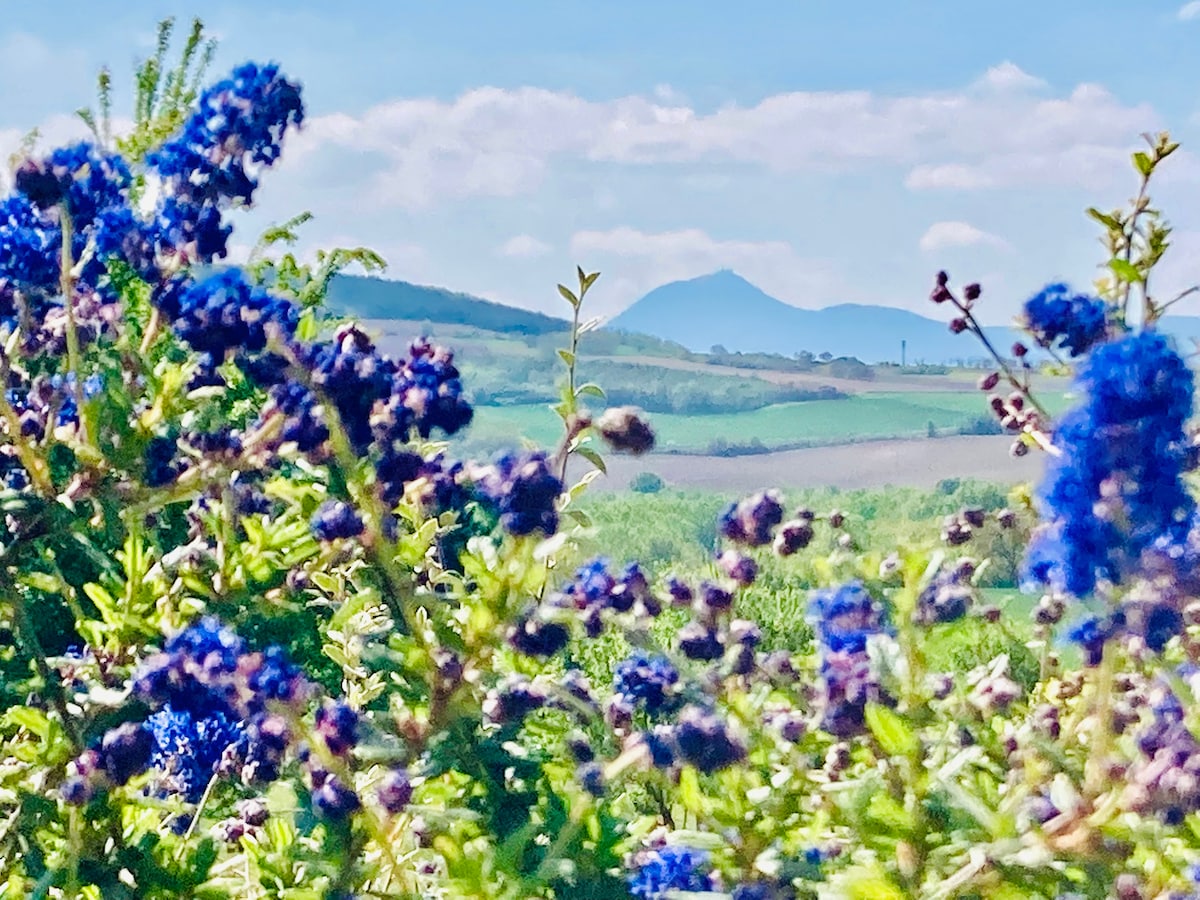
(625, 430)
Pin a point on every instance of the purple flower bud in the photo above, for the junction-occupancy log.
(626, 430)
(395, 791)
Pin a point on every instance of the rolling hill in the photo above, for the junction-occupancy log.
(722, 308)
(379, 298)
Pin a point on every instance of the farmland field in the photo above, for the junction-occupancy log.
(918, 463)
(787, 425)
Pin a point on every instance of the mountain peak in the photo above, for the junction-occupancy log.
(723, 308)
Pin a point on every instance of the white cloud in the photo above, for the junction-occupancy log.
(523, 246)
(636, 261)
(941, 235)
(1189, 11)
(665, 93)
(1008, 76)
(501, 143)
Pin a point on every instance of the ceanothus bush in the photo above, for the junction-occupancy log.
(266, 635)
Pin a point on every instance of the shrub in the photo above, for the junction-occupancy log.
(265, 638)
(646, 483)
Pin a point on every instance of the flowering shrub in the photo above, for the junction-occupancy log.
(265, 637)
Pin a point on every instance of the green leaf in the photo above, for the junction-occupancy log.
(1143, 163)
(889, 814)
(1126, 271)
(42, 581)
(591, 389)
(103, 599)
(579, 517)
(567, 356)
(593, 457)
(865, 884)
(568, 295)
(1104, 219)
(690, 794)
(30, 719)
(892, 732)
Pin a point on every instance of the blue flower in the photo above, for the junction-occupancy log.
(336, 520)
(947, 597)
(752, 521)
(845, 618)
(337, 724)
(670, 869)
(1092, 633)
(1055, 315)
(524, 492)
(195, 232)
(82, 177)
(426, 395)
(207, 669)
(349, 372)
(29, 248)
(649, 680)
(1115, 491)
(238, 125)
(161, 465)
(188, 748)
(537, 634)
(225, 312)
(706, 741)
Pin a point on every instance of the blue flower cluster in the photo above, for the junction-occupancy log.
(29, 253)
(188, 748)
(538, 632)
(80, 178)
(211, 696)
(523, 491)
(669, 869)
(595, 594)
(948, 595)
(1165, 779)
(237, 128)
(706, 741)
(427, 393)
(224, 312)
(335, 519)
(844, 619)
(1114, 490)
(238, 124)
(118, 756)
(1055, 315)
(649, 680)
(752, 521)
(79, 184)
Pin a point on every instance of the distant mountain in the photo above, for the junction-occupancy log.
(379, 298)
(724, 308)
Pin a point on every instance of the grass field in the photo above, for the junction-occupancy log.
(814, 423)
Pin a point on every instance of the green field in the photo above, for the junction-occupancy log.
(813, 423)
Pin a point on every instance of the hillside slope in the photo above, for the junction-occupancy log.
(379, 298)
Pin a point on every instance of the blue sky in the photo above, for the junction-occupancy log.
(830, 152)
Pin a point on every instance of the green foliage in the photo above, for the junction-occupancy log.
(439, 741)
(646, 483)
